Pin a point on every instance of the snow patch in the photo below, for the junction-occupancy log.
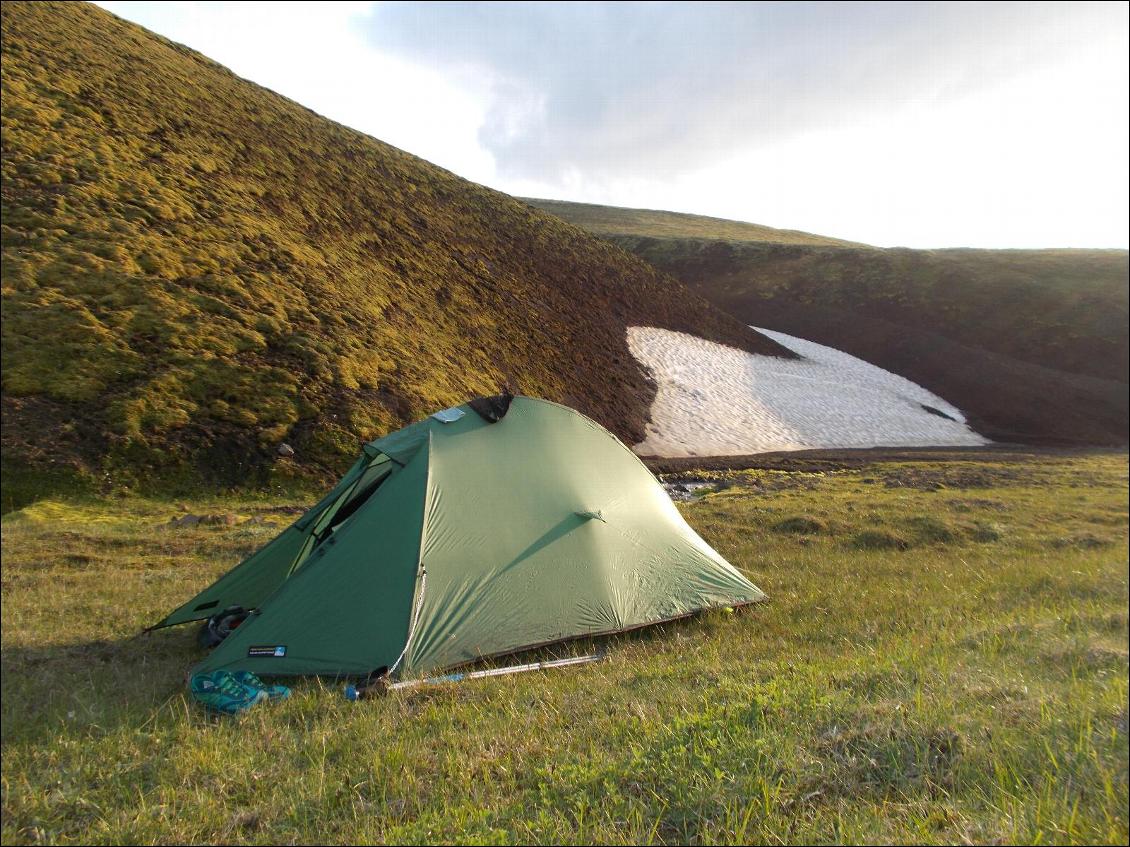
(714, 400)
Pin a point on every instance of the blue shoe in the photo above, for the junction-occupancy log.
(253, 683)
(221, 692)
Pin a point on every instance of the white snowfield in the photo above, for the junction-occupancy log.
(714, 400)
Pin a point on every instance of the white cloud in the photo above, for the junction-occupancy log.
(1039, 161)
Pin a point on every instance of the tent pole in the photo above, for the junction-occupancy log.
(354, 693)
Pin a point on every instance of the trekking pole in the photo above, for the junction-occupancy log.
(381, 686)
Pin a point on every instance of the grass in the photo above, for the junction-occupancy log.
(969, 685)
(196, 270)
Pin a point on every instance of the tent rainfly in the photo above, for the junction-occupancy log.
(485, 529)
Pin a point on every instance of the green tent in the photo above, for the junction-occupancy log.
(482, 530)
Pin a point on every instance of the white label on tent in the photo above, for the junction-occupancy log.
(449, 415)
(277, 651)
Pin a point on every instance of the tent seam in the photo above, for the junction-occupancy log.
(412, 623)
(421, 572)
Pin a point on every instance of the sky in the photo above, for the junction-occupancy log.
(895, 124)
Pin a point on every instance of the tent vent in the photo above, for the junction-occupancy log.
(492, 409)
(449, 415)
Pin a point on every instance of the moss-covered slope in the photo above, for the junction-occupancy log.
(196, 270)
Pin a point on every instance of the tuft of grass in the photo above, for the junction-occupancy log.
(879, 539)
(1083, 540)
(928, 529)
(801, 525)
(985, 532)
(933, 695)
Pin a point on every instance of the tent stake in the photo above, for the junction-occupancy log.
(355, 693)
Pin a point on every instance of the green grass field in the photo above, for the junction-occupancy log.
(943, 658)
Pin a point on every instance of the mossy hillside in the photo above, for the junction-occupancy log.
(196, 269)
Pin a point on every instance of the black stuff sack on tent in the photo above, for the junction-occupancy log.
(492, 409)
(220, 626)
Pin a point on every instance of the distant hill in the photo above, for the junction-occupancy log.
(653, 223)
(1031, 344)
(197, 270)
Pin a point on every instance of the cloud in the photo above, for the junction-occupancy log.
(653, 90)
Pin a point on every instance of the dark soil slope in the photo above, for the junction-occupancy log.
(196, 270)
(1031, 344)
